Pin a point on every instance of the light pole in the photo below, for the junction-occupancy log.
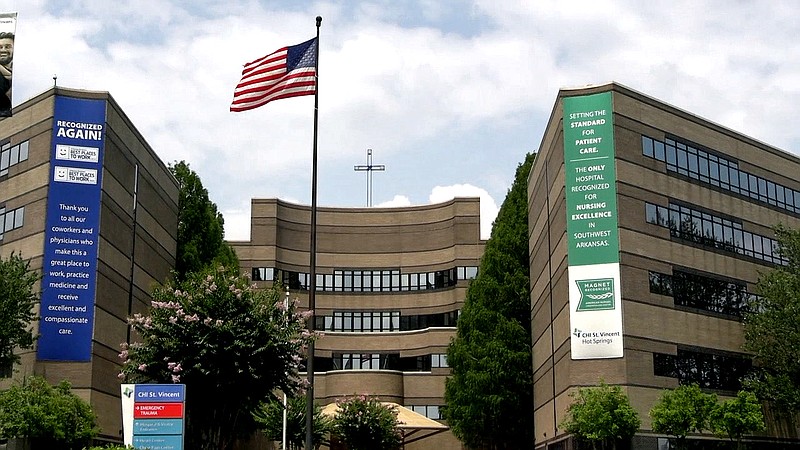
(285, 406)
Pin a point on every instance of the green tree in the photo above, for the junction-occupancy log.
(738, 417)
(489, 394)
(772, 328)
(50, 416)
(602, 416)
(270, 417)
(201, 228)
(364, 423)
(232, 345)
(17, 301)
(683, 410)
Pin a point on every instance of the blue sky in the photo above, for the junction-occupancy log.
(450, 95)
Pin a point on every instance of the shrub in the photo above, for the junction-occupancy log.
(364, 423)
(601, 415)
(49, 415)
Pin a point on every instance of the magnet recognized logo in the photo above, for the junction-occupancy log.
(596, 294)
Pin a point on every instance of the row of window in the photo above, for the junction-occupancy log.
(11, 219)
(713, 231)
(707, 370)
(11, 155)
(430, 411)
(379, 361)
(383, 321)
(721, 172)
(702, 292)
(378, 280)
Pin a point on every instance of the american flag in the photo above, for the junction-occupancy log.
(288, 72)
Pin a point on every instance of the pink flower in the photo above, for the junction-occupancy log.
(142, 367)
(176, 378)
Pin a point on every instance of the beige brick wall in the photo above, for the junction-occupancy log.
(652, 323)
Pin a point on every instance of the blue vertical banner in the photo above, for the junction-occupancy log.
(69, 271)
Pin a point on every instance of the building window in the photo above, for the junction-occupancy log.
(370, 280)
(422, 321)
(365, 361)
(660, 283)
(439, 360)
(417, 364)
(12, 155)
(373, 361)
(702, 292)
(382, 321)
(263, 274)
(715, 170)
(704, 368)
(363, 321)
(467, 272)
(11, 219)
(713, 231)
(429, 411)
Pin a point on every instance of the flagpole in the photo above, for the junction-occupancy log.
(312, 285)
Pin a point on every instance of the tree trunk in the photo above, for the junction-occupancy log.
(19, 444)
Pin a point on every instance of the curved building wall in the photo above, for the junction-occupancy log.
(391, 282)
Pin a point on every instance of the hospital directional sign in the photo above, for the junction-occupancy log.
(158, 413)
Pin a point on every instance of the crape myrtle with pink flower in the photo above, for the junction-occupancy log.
(232, 344)
(362, 422)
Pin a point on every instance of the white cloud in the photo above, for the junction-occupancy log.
(237, 222)
(488, 206)
(468, 79)
(396, 202)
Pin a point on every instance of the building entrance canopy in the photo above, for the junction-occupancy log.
(414, 426)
